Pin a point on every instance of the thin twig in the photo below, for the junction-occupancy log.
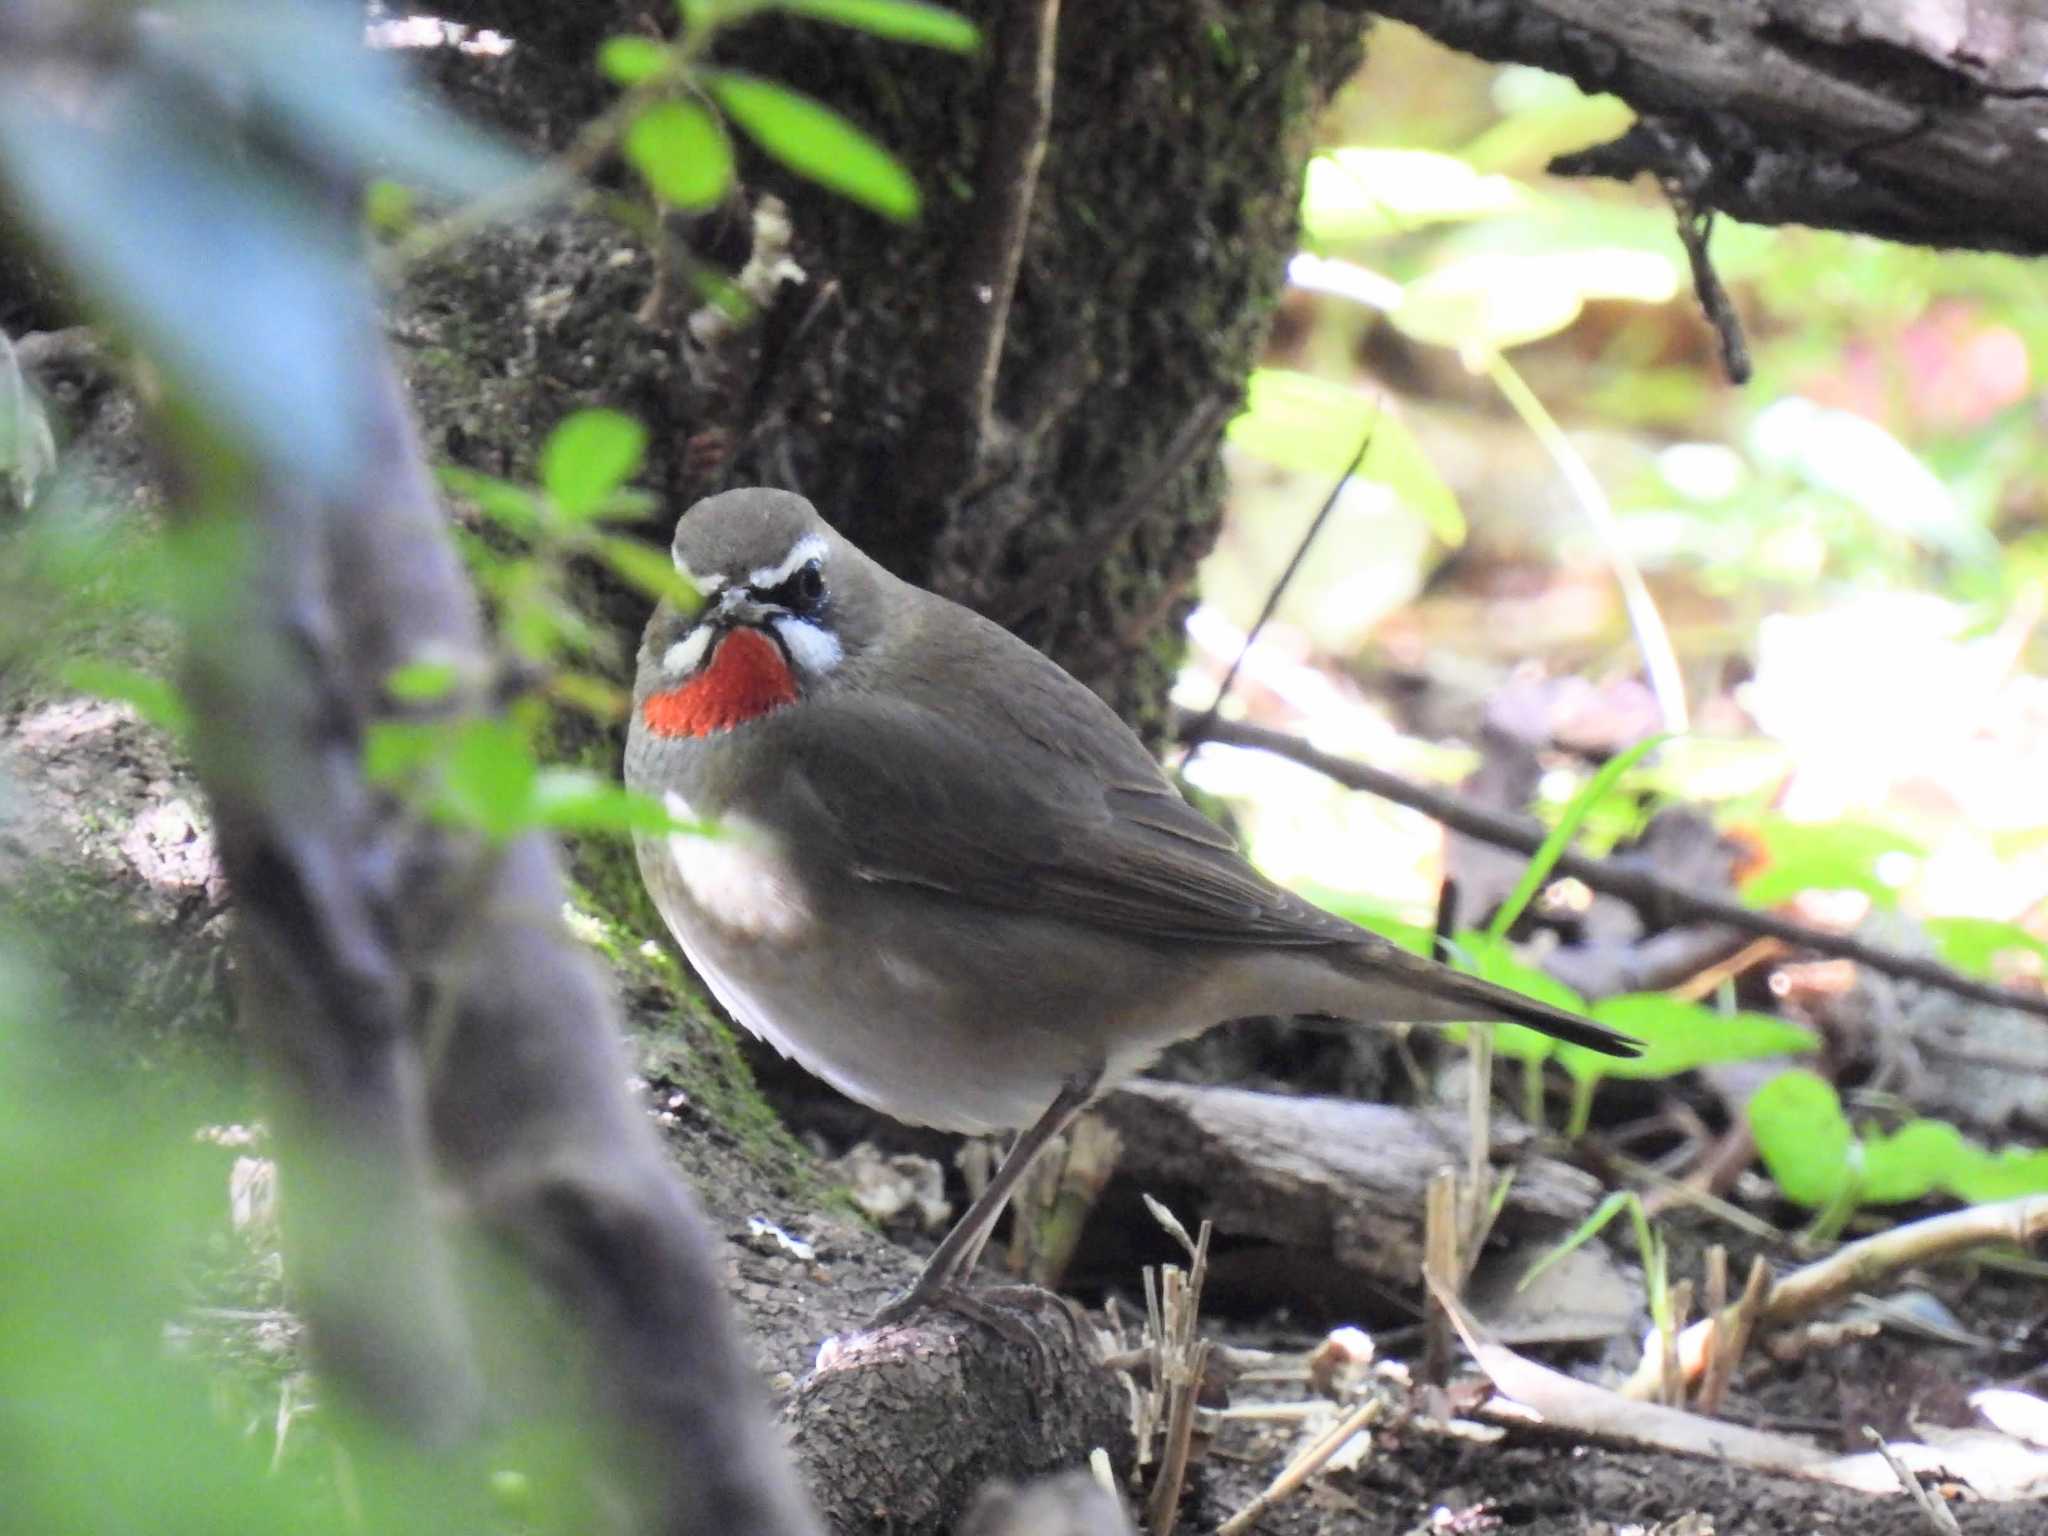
(944, 452)
(2021, 1223)
(1093, 547)
(1732, 1330)
(1662, 900)
(1193, 735)
(1695, 229)
(1939, 1515)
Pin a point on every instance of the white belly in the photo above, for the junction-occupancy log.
(881, 1023)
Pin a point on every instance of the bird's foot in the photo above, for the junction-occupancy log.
(999, 1308)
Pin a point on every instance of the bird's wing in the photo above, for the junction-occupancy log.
(1030, 805)
(1037, 801)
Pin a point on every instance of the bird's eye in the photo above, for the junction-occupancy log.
(803, 592)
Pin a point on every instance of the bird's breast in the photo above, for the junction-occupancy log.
(738, 877)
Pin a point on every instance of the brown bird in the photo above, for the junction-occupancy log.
(945, 877)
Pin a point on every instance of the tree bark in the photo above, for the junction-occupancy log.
(1154, 251)
(1916, 120)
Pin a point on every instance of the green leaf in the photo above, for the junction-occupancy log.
(1914, 1161)
(1534, 133)
(1974, 944)
(595, 696)
(1603, 1214)
(631, 60)
(156, 700)
(1678, 1036)
(388, 207)
(1803, 1138)
(421, 682)
(902, 21)
(1559, 838)
(1823, 856)
(814, 141)
(683, 152)
(397, 750)
(2009, 1175)
(489, 779)
(648, 569)
(305, 67)
(1356, 194)
(577, 800)
(1488, 303)
(588, 457)
(1311, 425)
(627, 505)
(511, 506)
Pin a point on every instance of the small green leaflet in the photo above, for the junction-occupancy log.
(156, 700)
(588, 457)
(816, 142)
(630, 60)
(648, 569)
(901, 21)
(683, 152)
(422, 682)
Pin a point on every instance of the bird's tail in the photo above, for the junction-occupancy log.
(1411, 989)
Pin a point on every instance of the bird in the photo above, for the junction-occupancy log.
(913, 853)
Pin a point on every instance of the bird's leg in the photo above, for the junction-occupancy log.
(942, 1283)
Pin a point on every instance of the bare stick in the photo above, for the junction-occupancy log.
(2020, 1222)
(1695, 229)
(944, 453)
(1939, 1516)
(1193, 735)
(1661, 900)
(1439, 1259)
(1713, 1375)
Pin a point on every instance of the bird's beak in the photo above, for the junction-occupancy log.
(737, 605)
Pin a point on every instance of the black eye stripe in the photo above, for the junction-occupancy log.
(803, 591)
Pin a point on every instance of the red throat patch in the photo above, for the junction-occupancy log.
(745, 678)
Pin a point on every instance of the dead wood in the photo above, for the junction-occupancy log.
(897, 1429)
(1334, 1182)
(1910, 120)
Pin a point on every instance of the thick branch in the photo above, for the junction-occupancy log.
(1907, 119)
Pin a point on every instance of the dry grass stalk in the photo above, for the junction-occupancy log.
(1177, 1360)
(1304, 1466)
(1940, 1517)
(1676, 1316)
(1439, 1262)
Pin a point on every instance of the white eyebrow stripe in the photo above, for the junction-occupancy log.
(810, 547)
(705, 585)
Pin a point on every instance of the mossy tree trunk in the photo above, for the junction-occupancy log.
(1156, 246)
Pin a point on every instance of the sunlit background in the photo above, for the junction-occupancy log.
(1845, 557)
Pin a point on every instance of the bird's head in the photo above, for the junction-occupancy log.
(787, 605)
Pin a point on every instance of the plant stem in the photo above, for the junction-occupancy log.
(1652, 639)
